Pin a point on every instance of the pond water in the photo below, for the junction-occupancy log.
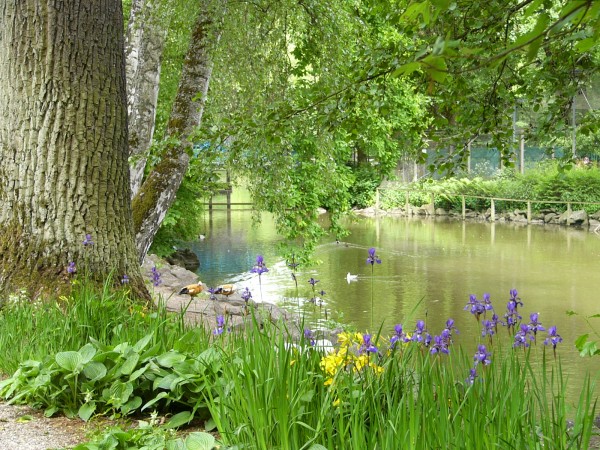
(429, 268)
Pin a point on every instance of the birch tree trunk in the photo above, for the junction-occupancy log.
(63, 144)
(144, 46)
(158, 191)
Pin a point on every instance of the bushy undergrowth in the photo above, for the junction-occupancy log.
(407, 390)
(546, 183)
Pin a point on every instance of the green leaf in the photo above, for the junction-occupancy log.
(142, 343)
(170, 358)
(24, 419)
(160, 396)
(94, 370)
(585, 44)
(130, 364)
(179, 419)
(86, 410)
(199, 441)
(69, 360)
(210, 424)
(406, 69)
(175, 444)
(87, 352)
(317, 447)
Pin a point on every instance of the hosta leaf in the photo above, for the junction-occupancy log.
(94, 370)
(121, 391)
(175, 444)
(160, 396)
(68, 360)
(86, 411)
(199, 441)
(142, 343)
(87, 352)
(130, 364)
(179, 419)
(170, 358)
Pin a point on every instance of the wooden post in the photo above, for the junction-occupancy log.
(528, 211)
(464, 208)
(493, 211)
(432, 204)
(377, 199)
(569, 212)
(210, 204)
(406, 203)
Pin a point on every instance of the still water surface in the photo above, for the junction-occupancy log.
(429, 269)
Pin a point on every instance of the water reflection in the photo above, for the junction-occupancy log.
(429, 270)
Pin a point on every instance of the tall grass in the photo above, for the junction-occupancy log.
(267, 397)
(35, 330)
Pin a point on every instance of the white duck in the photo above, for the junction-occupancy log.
(350, 277)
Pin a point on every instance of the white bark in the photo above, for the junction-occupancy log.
(157, 193)
(146, 34)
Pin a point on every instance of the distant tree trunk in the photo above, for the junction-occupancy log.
(144, 46)
(63, 144)
(158, 191)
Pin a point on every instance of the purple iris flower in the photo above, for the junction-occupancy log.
(489, 328)
(398, 336)
(312, 281)
(472, 376)
(220, 325)
(367, 345)
(155, 276)
(88, 240)
(534, 325)
(310, 337)
(440, 345)
(71, 267)
(421, 335)
(487, 303)
(553, 338)
(523, 336)
(482, 356)
(512, 316)
(514, 297)
(475, 306)
(125, 279)
(260, 267)
(246, 294)
(373, 258)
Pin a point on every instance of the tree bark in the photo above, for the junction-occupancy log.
(144, 47)
(63, 144)
(158, 191)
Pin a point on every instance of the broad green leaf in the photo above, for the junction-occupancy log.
(130, 364)
(68, 360)
(160, 396)
(175, 444)
(199, 441)
(86, 410)
(585, 44)
(135, 375)
(24, 419)
(121, 391)
(170, 358)
(210, 424)
(94, 370)
(317, 447)
(142, 343)
(179, 419)
(406, 69)
(87, 352)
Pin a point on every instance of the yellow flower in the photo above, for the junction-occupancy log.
(337, 402)
(328, 382)
(360, 362)
(292, 362)
(345, 340)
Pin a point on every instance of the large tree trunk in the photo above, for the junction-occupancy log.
(158, 191)
(63, 143)
(144, 46)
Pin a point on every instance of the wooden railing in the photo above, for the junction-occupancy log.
(492, 200)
